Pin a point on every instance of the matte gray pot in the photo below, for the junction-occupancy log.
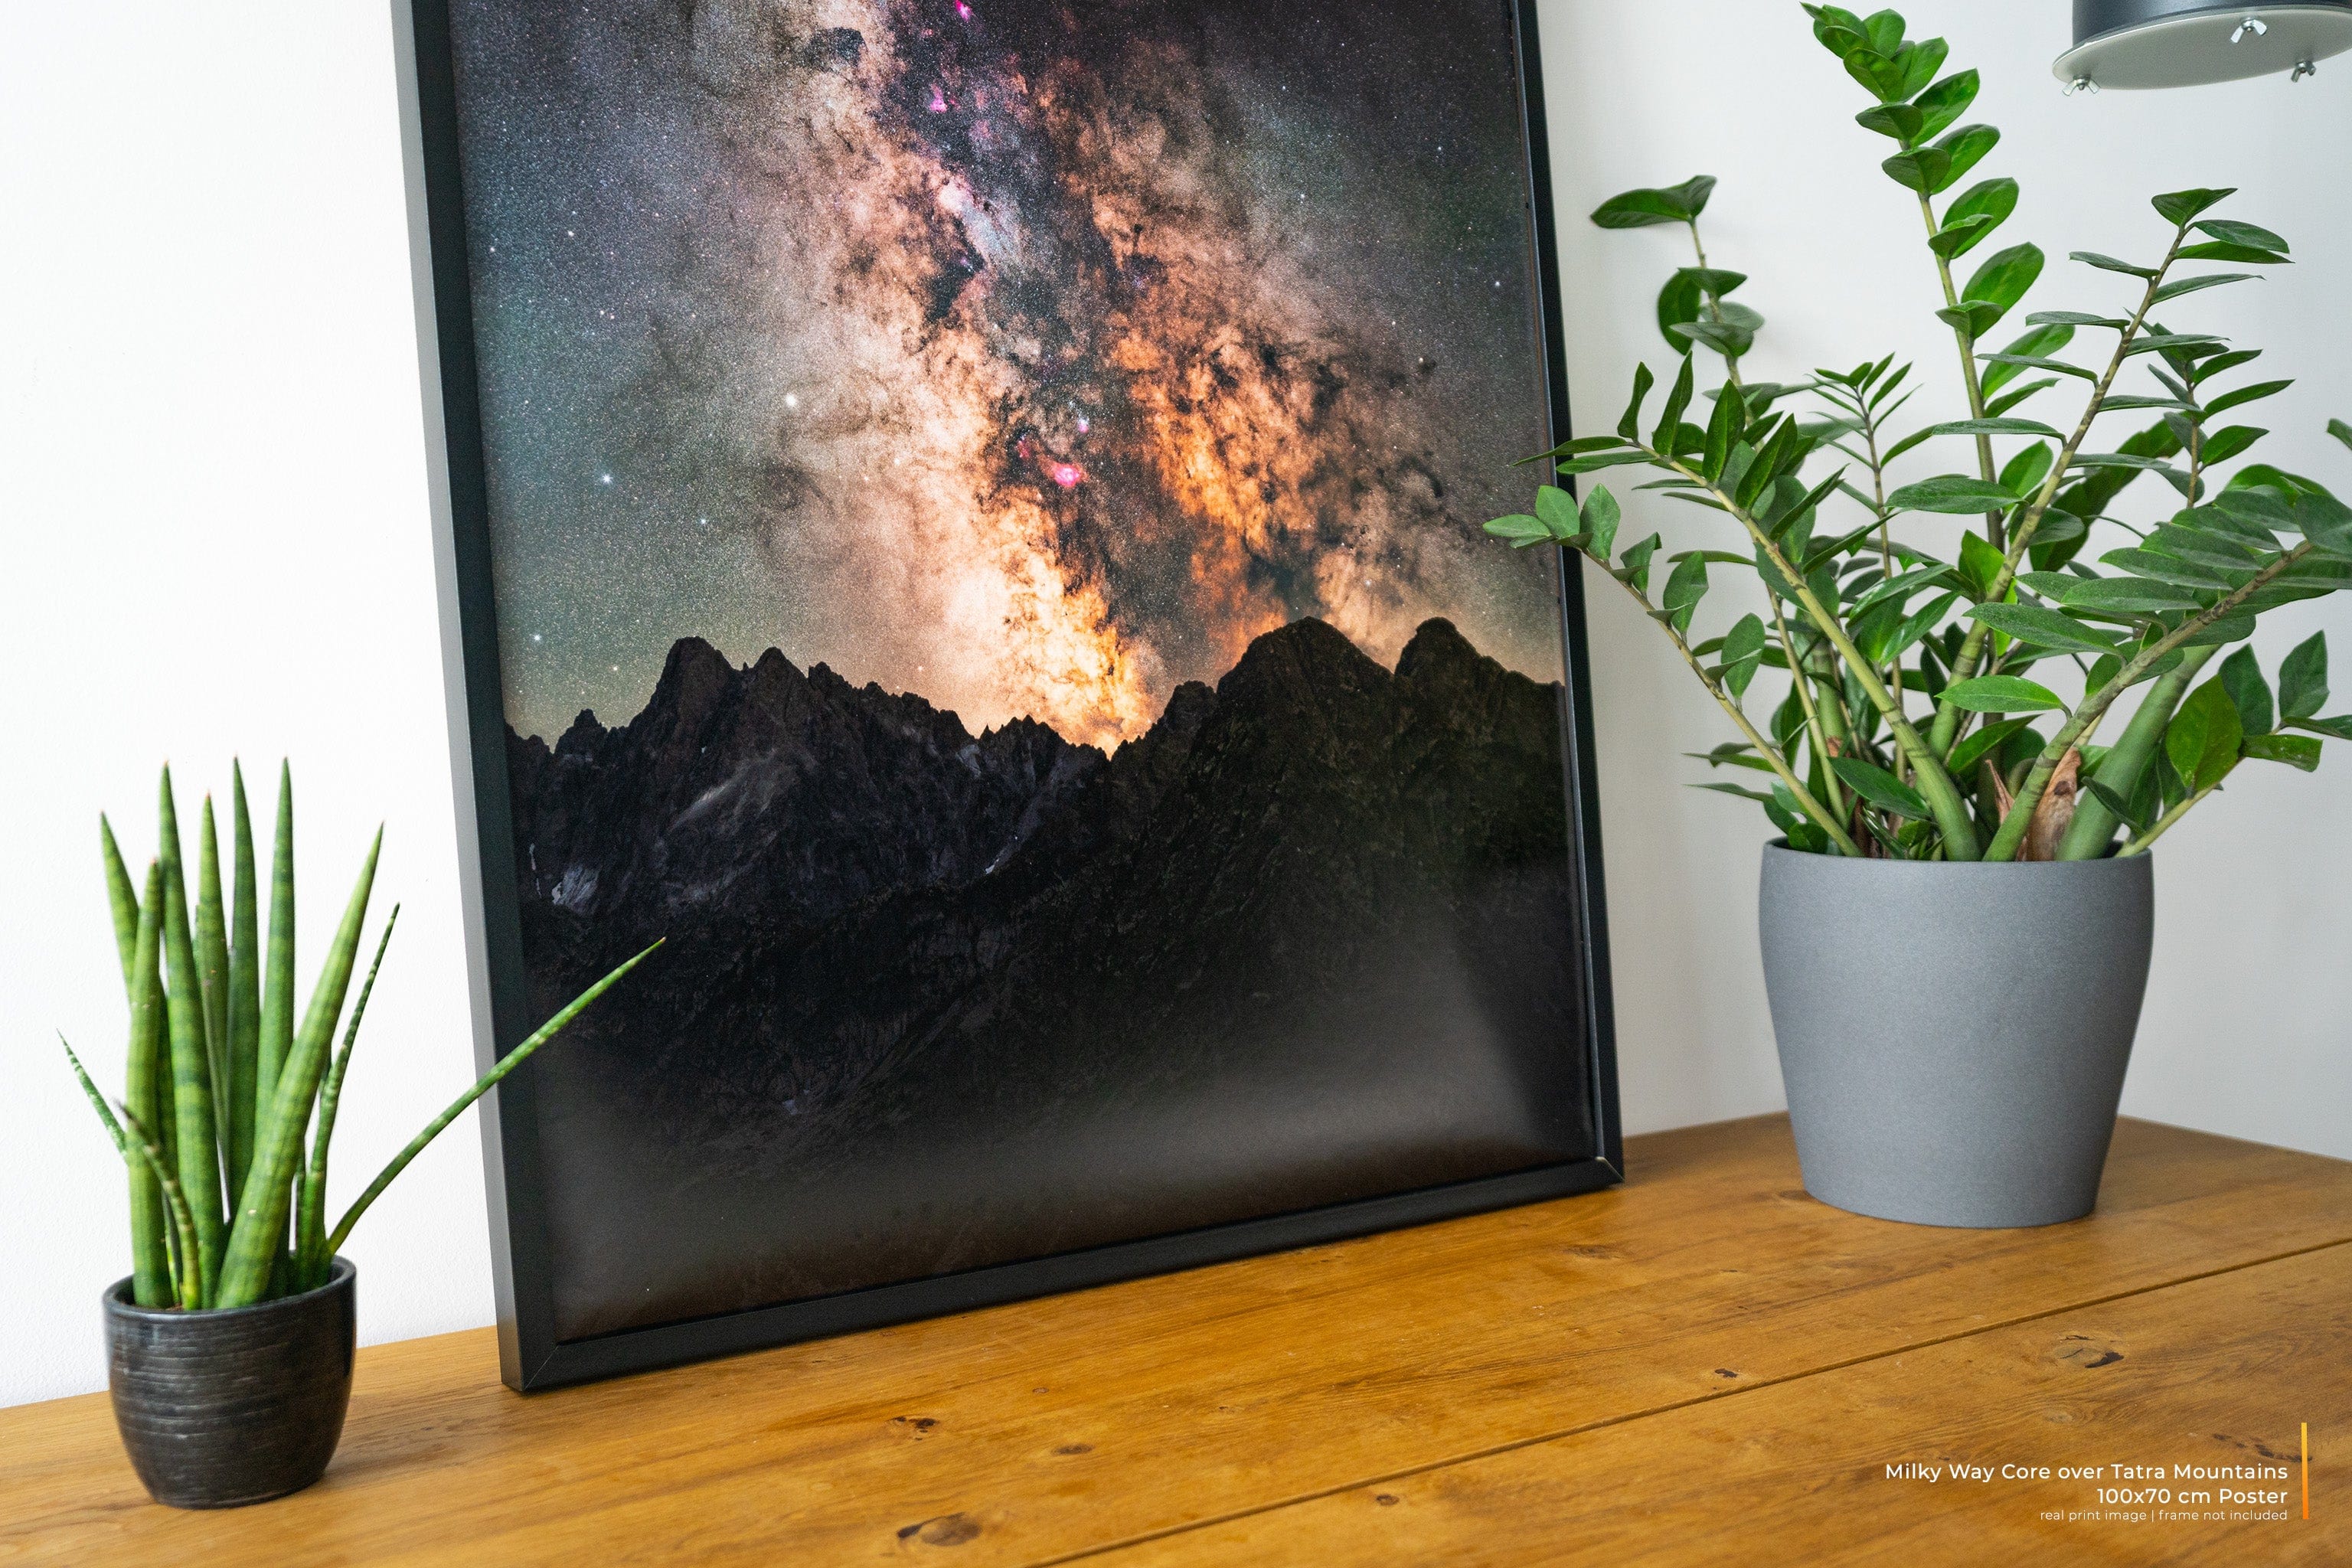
(1953, 1037)
(220, 1409)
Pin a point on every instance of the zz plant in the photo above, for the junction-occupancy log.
(1922, 717)
(223, 1083)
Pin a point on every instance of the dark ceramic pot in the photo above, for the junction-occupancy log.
(220, 1409)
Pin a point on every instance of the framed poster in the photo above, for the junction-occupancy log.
(964, 519)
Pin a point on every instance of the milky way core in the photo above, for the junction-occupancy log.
(1031, 357)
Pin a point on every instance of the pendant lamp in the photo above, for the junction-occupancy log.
(2186, 43)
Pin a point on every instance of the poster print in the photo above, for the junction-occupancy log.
(980, 500)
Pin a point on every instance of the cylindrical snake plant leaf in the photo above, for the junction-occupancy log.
(310, 1216)
(212, 983)
(151, 1273)
(122, 903)
(244, 992)
(196, 1153)
(187, 1292)
(277, 1028)
(261, 1228)
(507, 1064)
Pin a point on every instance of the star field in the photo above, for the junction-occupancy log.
(1030, 357)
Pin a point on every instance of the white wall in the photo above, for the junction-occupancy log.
(213, 502)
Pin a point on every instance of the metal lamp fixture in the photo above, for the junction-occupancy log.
(2188, 43)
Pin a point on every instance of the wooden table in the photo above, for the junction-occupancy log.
(1702, 1366)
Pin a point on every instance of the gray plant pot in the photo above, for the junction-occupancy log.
(219, 1409)
(1953, 1037)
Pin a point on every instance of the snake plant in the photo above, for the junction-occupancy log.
(1908, 724)
(222, 1083)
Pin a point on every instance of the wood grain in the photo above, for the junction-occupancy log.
(1035, 1431)
(2219, 1371)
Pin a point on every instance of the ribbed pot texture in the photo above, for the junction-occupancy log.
(1953, 1037)
(220, 1409)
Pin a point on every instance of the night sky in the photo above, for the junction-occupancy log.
(1031, 357)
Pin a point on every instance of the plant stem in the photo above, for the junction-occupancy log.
(1944, 800)
(2085, 720)
(1800, 679)
(1714, 304)
(1968, 375)
(1822, 818)
(1947, 730)
(2120, 771)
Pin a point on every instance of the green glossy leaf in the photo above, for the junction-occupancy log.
(1973, 318)
(2110, 264)
(2204, 547)
(2215, 365)
(2204, 737)
(2233, 232)
(1520, 529)
(2324, 521)
(2003, 694)
(2044, 629)
(2244, 255)
(2179, 286)
(1598, 461)
(1943, 102)
(2179, 208)
(1640, 209)
(1925, 170)
(2241, 678)
(2340, 430)
(1900, 121)
(2022, 475)
(2245, 394)
(2225, 444)
(1731, 332)
(1981, 564)
(2037, 361)
(1685, 586)
(2040, 342)
(2005, 277)
(1633, 566)
(2125, 596)
(1879, 74)
(1680, 303)
(2164, 568)
(2002, 404)
(2294, 751)
(1994, 427)
(1963, 150)
(1955, 494)
(1743, 653)
(2338, 727)
(1556, 509)
(1629, 424)
(1599, 519)
(1881, 788)
(2303, 679)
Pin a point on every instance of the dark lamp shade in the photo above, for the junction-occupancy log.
(2186, 43)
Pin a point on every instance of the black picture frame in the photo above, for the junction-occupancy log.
(531, 1356)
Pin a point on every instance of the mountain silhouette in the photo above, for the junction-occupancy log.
(933, 1000)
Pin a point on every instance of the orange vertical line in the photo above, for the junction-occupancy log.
(2306, 1469)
